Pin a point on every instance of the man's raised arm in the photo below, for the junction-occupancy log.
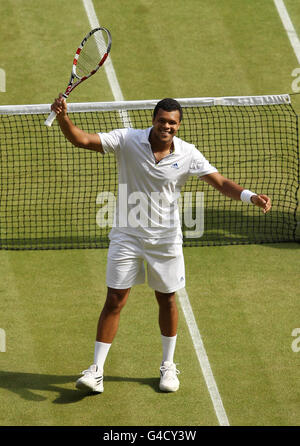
(74, 134)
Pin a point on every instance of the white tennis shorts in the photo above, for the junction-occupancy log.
(125, 263)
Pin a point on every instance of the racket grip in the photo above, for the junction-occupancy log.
(50, 119)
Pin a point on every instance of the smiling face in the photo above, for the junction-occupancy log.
(165, 127)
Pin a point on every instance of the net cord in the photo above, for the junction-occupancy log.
(150, 104)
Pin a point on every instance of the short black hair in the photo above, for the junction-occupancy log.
(168, 104)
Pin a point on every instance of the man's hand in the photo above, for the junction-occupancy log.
(59, 106)
(78, 137)
(262, 201)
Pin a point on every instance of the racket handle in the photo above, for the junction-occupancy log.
(50, 119)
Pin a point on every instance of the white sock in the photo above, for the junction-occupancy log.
(100, 353)
(168, 344)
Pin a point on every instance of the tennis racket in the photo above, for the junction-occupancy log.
(89, 57)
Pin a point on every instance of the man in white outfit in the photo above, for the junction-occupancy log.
(153, 166)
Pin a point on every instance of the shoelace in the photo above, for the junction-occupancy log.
(89, 372)
(169, 368)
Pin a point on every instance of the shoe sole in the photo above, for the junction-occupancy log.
(168, 389)
(83, 386)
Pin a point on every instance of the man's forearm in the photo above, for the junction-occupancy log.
(231, 189)
(234, 190)
(224, 185)
(71, 132)
(78, 137)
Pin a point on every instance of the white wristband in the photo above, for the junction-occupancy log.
(246, 196)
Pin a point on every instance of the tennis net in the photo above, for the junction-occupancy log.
(53, 194)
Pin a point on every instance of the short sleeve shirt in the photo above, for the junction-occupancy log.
(148, 192)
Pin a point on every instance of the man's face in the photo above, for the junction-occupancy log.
(166, 125)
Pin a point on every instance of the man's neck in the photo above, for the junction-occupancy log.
(160, 146)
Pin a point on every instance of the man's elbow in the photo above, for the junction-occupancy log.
(78, 144)
(89, 145)
(82, 142)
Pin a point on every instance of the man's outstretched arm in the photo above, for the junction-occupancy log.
(234, 190)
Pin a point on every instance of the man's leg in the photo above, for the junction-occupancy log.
(168, 313)
(110, 316)
(106, 330)
(168, 321)
(108, 324)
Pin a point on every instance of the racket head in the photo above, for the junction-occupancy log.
(91, 53)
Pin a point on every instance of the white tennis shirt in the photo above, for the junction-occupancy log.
(148, 192)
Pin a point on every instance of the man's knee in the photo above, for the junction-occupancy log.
(116, 299)
(165, 299)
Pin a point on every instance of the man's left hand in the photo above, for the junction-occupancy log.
(262, 201)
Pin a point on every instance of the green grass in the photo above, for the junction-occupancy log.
(179, 49)
(246, 302)
(40, 46)
(50, 315)
(245, 298)
(50, 308)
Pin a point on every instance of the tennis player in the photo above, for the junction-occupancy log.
(153, 166)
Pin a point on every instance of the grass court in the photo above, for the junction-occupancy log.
(245, 299)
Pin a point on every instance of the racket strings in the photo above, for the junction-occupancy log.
(91, 54)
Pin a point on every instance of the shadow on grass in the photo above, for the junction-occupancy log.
(27, 385)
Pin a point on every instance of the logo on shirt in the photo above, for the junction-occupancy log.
(175, 166)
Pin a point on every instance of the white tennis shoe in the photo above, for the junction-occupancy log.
(168, 377)
(91, 380)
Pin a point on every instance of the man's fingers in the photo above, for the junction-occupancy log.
(59, 104)
(263, 202)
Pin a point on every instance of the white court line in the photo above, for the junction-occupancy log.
(182, 294)
(108, 66)
(289, 27)
(202, 357)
